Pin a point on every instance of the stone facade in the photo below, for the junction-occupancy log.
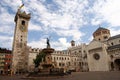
(106, 49)
(19, 62)
(78, 55)
(61, 59)
(33, 52)
(114, 52)
(97, 56)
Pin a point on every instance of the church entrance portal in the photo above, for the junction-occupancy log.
(117, 64)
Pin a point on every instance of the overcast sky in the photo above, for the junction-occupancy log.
(61, 20)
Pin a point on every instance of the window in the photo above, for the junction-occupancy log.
(59, 64)
(96, 56)
(20, 45)
(105, 37)
(65, 58)
(75, 63)
(68, 58)
(99, 39)
(63, 64)
(112, 43)
(23, 22)
(59, 58)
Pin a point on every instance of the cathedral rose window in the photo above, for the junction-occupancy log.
(96, 56)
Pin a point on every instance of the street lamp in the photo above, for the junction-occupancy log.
(6, 68)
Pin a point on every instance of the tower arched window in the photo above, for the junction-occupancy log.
(23, 22)
(112, 44)
(105, 37)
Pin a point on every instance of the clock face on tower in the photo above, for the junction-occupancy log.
(22, 28)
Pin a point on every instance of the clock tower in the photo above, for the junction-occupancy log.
(19, 62)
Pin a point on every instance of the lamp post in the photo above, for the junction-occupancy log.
(6, 68)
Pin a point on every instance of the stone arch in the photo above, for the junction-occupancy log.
(117, 64)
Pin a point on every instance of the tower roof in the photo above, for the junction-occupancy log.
(72, 41)
(99, 29)
(22, 14)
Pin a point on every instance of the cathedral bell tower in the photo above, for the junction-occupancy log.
(19, 62)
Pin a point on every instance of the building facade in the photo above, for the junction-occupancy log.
(104, 50)
(33, 52)
(2, 62)
(114, 52)
(5, 61)
(78, 56)
(97, 56)
(61, 59)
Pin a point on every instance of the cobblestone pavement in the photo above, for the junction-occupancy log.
(73, 76)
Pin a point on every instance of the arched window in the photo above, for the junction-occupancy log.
(112, 44)
(23, 22)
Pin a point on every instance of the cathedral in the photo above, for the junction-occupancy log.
(104, 51)
(101, 54)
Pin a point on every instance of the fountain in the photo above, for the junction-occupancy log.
(47, 67)
(47, 64)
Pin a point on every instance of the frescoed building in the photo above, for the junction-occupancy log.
(5, 61)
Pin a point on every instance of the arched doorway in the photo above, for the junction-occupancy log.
(117, 64)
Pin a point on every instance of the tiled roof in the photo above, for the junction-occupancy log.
(114, 37)
(4, 50)
(100, 28)
(114, 47)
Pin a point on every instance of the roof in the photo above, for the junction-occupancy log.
(114, 37)
(4, 50)
(100, 28)
(114, 47)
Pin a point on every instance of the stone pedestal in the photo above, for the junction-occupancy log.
(47, 64)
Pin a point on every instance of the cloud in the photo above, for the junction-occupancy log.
(38, 44)
(76, 34)
(61, 44)
(62, 18)
(6, 41)
(7, 21)
(114, 31)
(90, 38)
(34, 27)
(107, 11)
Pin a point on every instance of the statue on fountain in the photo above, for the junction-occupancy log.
(48, 43)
